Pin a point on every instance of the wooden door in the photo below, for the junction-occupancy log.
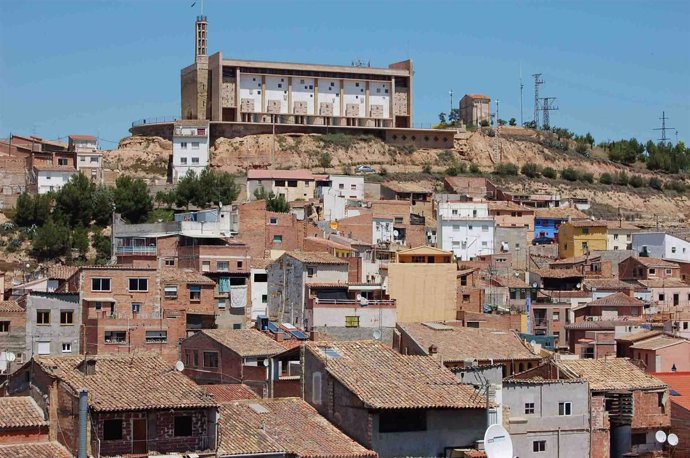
(139, 436)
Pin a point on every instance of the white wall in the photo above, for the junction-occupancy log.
(350, 187)
(382, 230)
(369, 317)
(355, 92)
(85, 160)
(463, 210)
(277, 89)
(303, 91)
(329, 92)
(466, 238)
(379, 94)
(676, 249)
(52, 181)
(259, 289)
(618, 240)
(250, 88)
(191, 149)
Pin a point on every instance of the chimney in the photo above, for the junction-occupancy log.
(433, 350)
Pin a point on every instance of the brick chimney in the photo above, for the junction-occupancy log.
(433, 350)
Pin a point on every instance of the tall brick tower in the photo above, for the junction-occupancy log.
(194, 79)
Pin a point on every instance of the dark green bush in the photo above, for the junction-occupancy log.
(636, 181)
(570, 174)
(506, 169)
(549, 172)
(531, 170)
(605, 178)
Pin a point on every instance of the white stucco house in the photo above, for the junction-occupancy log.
(190, 147)
(465, 228)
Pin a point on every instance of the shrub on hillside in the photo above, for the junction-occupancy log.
(570, 174)
(549, 172)
(605, 178)
(456, 169)
(506, 169)
(426, 168)
(656, 183)
(474, 169)
(531, 170)
(621, 179)
(676, 185)
(587, 177)
(636, 181)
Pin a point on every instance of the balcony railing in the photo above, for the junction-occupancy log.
(365, 303)
(136, 250)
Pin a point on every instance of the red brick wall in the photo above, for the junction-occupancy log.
(600, 428)
(253, 227)
(680, 425)
(287, 388)
(24, 435)
(354, 270)
(357, 227)
(648, 414)
(490, 321)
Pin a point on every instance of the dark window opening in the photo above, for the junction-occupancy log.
(112, 430)
(183, 426)
(210, 359)
(260, 278)
(402, 421)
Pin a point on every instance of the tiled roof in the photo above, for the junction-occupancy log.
(83, 137)
(507, 205)
(315, 257)
(511, 282)
(260, 263)
(612, 374)
(20, 412)
(407, 186)
(229, 392)
(616, 300)
(259, 174)
(559, 213)
(384, 379)
(657, 343)
(607, 283)
(10, 306)
(128, 382)
(641, 335)
(287, 425)
(455, 343)
(575, 260)
(54, 168)
(328, 243)
(655, 262)
(245, 342)
(586, 223)
(558, 273)
(60, 272)
(664, 283)
(621, 226)
(680, 383)
(34, 450)
(170, 274)
(602, 324)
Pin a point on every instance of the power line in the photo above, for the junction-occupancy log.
(547, 106)
(537, 82)
(663, 128)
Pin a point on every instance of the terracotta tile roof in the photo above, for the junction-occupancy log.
(510, 282)
(300, 174)
(384, 379)
(602, 324)
(407, 186)
(678, 382)
(655, 262)
(607, 283)
(328, 243)
(34, 450)
(315, 257)
(664, 283)
(83, 137)
(508, 205)
(657, 343)
(559, 213)
(455, 343)
(621, 226)
(287, 425)
(575, 260)
(612, 374)
(586, 223)
(20, 412)
(10, 306)
(641, 335)
(128, 382)
(60, 272)
(616, 300)
(54, 168)
(558, 273)
(245, 342)
(170, 274)
(477, 96)
(229, 392)
(475, 454)
(260, 263)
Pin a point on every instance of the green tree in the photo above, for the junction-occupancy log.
(530, 169)
(51, 240)
(625, 151)
(636, 181)
(273, 203)
(474, 169)
(512, 122)
(102, 204)
(605, 178)
(656, 183)
(227, 189)
(103, 248)
(549, 172)
(186, 189)
(621, 179)
(570, 174)
(74, 201)
(80, 240)
(325, 160)
(442, 118)
(132, 199)
(586, 177)
(506, 169)
(24, 210)
(502, 122)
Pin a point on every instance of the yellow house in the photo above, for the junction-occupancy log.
(581, 237)
(423, 282)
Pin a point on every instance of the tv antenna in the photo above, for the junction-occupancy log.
(663, 128)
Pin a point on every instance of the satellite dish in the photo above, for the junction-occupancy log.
(9, 356)
(533, 342)
(265, 363)
(377, 334)
(497, 443)
(672, 440)
(578, 285)
(395, 232)
(359, 297)
(660, 436)
(534, 285)
(179, 366)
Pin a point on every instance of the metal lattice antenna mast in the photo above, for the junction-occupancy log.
(521, 87)
(547, 106)
(537, 82)
(663, 128)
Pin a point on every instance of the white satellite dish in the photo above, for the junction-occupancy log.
(672, 440)
(660, 436)
(534, 285)
(179, 366)
(497, 442)
(533, 342)
(359, 297)
(9, 356)
(578, 285)
(377, 334)
(265, 363)
(395, 232)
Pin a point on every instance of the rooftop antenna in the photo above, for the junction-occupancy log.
(663, 128)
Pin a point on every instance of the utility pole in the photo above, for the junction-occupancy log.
(521, 87)
(450, 93)
(663, 128)
(548, 105)
(537, 82)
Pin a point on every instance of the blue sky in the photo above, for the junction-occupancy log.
(95, 66)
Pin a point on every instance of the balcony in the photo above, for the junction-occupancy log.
(135, 251)
(352, 302)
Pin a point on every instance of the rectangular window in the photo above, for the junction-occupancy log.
(260, 278)
(292, 183)
(62, 161)
(210, 359)
(236, 326)
(465, 298)
(43, 348)
(222, 266)
(136, 307)
(556, 316)
(183, 145)
(156, 336)
(565, 408)
(279, 183)
(170, 292)
(205, 266)
(112, 430)
(273, 221)
(221, 303)
(42, 316)
(194, 293)
(456, 228)
(4, 327)
(183, 160)
(398, 220)
(169, 262)
(399, 420)
(539, 446)
(351, 321)
(138, 284)
(67, 347)
(311, 271)
(585, 230)
(100, 284)
(485, 228)
(115, 337)
(662, 297)
(66, 317)
(195, 145)
(195, 160)
(264, 299)
(277, 239)
(240, 264)
(94, 159)
(529, 408)
(463, 281)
